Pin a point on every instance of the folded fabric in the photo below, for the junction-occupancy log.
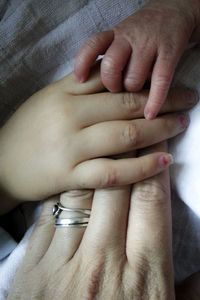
(7, 243)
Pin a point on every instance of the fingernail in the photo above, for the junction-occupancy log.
(183, 121)
(165, 160)
(78, 78)
(192, 97)
(149, 115)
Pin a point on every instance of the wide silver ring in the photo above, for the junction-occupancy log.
(80, 221)
(71, 222)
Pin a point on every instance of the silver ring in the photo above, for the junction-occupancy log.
(58, 208)
(81, 221)
(71, 222)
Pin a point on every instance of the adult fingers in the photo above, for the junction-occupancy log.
(113, 63)
(114, 137)
(66, 240)
(91, 86)
(149, 226)
(41, 236)
(104, 172)
(160, 81)
(106, 232)
(93, 46)
(122, 106)
(138, 68)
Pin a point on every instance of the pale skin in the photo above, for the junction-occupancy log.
(124, 254)
(146, 45)
(63, 136)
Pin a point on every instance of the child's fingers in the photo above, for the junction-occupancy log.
(104, 172)
(94, 46)
(138, 68)
(115, 137)
(122, 106)
(160, 82)
(113, 64)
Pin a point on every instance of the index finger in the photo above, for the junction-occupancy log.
(160, 82)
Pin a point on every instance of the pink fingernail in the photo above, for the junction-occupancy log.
(165, 160)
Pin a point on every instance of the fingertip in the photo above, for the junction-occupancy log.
(165, 160)
(79, 77)
(149, 114)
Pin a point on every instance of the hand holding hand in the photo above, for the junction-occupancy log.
(61, 139)
(124, 253)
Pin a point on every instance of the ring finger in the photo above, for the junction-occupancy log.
(67, 239)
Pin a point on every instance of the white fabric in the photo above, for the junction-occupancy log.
(38, 41)
(8, 244)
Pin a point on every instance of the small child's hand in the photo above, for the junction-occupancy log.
(151, 40)
(61, 139)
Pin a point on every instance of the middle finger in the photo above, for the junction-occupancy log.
(110, 138)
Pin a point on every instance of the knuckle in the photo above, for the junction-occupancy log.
(131, 102)
(111, 177)
(93, 41)
(168, 50)
(151, 192)
(131, 135)
(110, 67)
(133, 82)
(162, 82)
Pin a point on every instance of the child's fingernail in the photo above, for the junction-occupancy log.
(183, 121)
(192, 97)
(165, 160)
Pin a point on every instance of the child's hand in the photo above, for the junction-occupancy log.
(61, 138)
(151, 40)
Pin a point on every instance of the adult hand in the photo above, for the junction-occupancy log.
(150, 40)
(125, 252)
(60, 139)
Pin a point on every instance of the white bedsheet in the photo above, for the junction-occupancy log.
(38, 41)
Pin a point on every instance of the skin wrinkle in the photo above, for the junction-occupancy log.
(131, 102)
(93, 280)
(130, 136)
